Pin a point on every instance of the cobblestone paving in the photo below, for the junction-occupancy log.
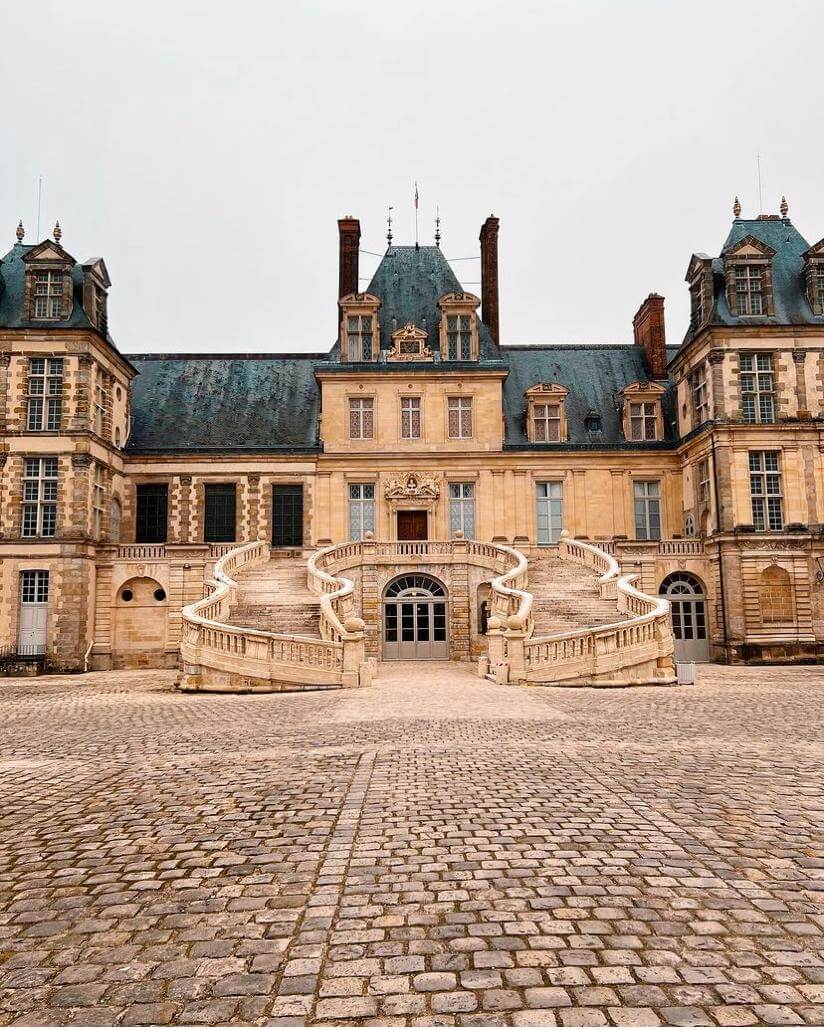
(433, 849)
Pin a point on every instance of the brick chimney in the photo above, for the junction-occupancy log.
(650, 336)
(349, 234)
(489, 276)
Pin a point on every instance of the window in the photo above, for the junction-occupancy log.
(361, 418)
(765, 491)
(592, 423)
(689, 526)
(34, 586)
(550, 511)
(361, 510)
(462, 509)
(359, 337)
(775, 595)
(818, 288)
(219, 513)
(98, 498)
(704, 483)
(39, 497)
(757, 388)
(459, 337)
(410, 418)
(696, 305)
(546, 423)
(45, 394)
(749, 290)
(100, 402)
(151, 518)
(700, 398)
(48, 294)
(643, 420)
(459, 418)
(647, 495)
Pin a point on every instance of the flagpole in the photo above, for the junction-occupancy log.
(416, 216)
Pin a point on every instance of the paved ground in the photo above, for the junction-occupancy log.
(434, 849)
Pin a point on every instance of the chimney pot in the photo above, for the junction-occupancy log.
(489, 276)
(349, 242)
(650, 335)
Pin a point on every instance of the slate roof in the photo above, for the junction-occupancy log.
(594, 376)
(409, 281)
(12, 279)
(258, 402)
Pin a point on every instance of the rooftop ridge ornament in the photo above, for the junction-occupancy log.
(736, 208)
(57, 233)
(437, 227)
(20, 232)
(785, 207)
(389, 226)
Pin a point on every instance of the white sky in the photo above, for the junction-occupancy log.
(206, 150)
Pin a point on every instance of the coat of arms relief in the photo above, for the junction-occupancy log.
(413, 485)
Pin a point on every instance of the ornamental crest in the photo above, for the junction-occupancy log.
(414, 484)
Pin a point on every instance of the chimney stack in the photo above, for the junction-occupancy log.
(349, 235)
(650, 336)
(489, 276)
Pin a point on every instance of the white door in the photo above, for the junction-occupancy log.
(688, 605)
(34, 608)
(549, 498)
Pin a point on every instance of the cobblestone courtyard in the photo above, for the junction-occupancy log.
(433, 849)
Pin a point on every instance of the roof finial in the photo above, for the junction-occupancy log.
(20, 231)
(57, 232)
(736, 208)
(437, 227)
(785, 207)
(389, 226)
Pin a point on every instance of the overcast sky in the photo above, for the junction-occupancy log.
(206, 149)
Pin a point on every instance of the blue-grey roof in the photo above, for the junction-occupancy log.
(12, 281)
(218, 402)
(409, 281)
(594, 376)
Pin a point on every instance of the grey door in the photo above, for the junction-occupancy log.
(688, 604)
(415, 619)
(34, 610)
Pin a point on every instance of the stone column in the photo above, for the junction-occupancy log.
(799, 358)
(77, 523)
(185, 535)
(719, 405)
(81, 418)
(619, 527)
(253, 506)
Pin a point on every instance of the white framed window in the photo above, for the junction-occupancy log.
(459, 418)
(361, 418)
(45, 395)
(749, 290)
(647, 497)
(643, 420)
(359, 336)
(546, 423)
(361, 510)
(462, 509)
(410, 418)
(98, 500)
(549, 499)
(459, 337)
(704, 482)
(765, 491)
(757, 388)
(48, 294)
(34, 586)
(39, 497)
(700, 396)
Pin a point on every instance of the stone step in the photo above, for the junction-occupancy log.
(302, 619)
(566, 597)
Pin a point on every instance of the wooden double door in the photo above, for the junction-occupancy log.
(413, 524)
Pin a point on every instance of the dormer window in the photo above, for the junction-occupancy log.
(643, 418)
(459, 327)
(48, 295)
(592, 423)
(749, 290)
(748, 275)
(359, 328)
(699, 277)
(546, 415)
(814, 277)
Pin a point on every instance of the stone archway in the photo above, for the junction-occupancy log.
(415, 618)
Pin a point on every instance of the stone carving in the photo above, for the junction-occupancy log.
(412, 485)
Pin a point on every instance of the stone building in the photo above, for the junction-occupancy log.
(124, 478)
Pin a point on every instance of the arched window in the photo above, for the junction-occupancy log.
(415, 586)
(775, 595)
(689, 526)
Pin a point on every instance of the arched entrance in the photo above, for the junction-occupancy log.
(414, 618)
(688, 601)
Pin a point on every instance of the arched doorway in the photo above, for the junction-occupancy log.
(688, 601)
(414, 618)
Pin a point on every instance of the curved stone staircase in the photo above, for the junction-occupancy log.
(566, 596)
(274, 597)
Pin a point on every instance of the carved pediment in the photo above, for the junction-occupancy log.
(645, 388)
(749, 247)
(459, 300)
(97, 267)
(540, 389)
(48, 251)
(409, 344)
(413, 485)
(698, 263)
(357, 300)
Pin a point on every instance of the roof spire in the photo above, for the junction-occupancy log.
(20, 232)
(785, 207)
(736, 208)
(57, 232)
(389, 226)
(437, 227)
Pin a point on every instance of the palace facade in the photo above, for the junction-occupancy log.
(698, 467)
